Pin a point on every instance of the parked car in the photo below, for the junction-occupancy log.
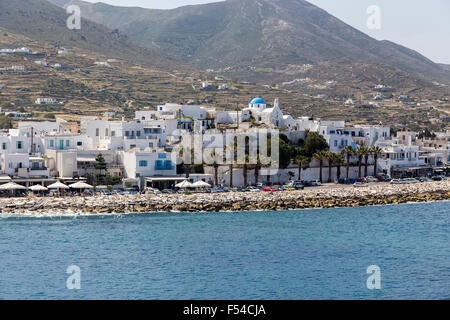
(269, 189)
(253, 189)
(316, 183)
(371, 179)
(299, 186)
(151, 191)
(410, 180)
(360, 184)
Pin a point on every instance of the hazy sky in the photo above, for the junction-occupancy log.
(420, 25)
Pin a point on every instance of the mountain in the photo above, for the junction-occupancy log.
(270, 34)
(45, 22)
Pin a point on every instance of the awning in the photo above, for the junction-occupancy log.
(85, 159)
(153, 179)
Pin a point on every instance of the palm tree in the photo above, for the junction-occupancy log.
(348, 152)
(215, 165)
(257, 168)
(245, 170)
(338, 161)
(376, 151)
(216, 174)
(231, 173)
(302, 162)
(330, 157)
(187, 164)
(360, 154)
(366, 153)
(321, 156)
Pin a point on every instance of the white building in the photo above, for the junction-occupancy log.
(45, 101)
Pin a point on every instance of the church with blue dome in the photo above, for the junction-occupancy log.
(258, 109)
(257, 104)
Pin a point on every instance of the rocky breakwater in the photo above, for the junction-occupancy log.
(324, 197)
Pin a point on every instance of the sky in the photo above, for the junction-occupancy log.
(417, 24)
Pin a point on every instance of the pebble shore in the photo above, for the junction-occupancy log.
(324, 197)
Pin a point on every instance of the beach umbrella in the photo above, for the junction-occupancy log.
(38, 187)
(81, 185)
(58, 185)
(201, 184)
(184, 184)
(11, 186)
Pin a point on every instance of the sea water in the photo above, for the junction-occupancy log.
(307, 254)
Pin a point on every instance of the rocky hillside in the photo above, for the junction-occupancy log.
(270, 34)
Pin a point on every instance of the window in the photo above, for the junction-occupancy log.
(52, 143)
(67, 143)
(335, 143)
(138, 133)
(168, 165)
(4, 146)
(106, 132)
(150, 145)
(162, 156)
(97, 132)
(113, 133)
(127, 133)
(143, 163)
(79, 143)
(159, 165)
(19, 144)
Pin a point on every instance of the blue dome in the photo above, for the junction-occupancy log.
(257, 101)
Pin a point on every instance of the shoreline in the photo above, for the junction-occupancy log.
(329, 196)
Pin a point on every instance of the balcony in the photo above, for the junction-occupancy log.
(164, 166)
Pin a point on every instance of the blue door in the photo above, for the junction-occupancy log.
(61, 144)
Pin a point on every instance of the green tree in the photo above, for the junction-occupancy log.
(315, 143)
(338, 161)
(348, 152)
(5, 122)
(321, 156)
(100, 167)
(303, 163)
(360, 153)
(330, 156)
(366, 153)
(376, 151)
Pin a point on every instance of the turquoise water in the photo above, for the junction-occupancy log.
(311, 254)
